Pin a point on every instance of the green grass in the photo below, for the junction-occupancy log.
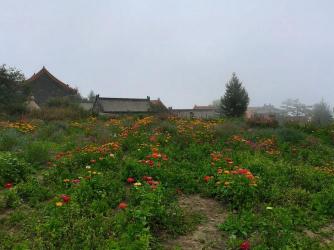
(275, 183)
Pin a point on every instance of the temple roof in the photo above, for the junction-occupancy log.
(43, 72)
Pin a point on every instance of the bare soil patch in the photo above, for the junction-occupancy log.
(206, 235)
(325, 234)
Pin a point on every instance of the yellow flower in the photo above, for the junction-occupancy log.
(59, 204)
(137, 184)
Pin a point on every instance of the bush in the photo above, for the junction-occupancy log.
(290, 135)
(228, 128)
(262, 121)
(37, 152)
(13, 93)
(323, 202)
(9, 139)
(32, 192)
(59, 113)
(12, 169)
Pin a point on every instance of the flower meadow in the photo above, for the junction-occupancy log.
(114, 183)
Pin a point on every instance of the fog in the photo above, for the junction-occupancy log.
(183, 51)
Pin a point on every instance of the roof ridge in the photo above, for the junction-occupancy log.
(44, 70)
(120, 98)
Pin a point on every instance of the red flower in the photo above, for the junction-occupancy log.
(93, 161)
(122, 205)
(245, 245)
(151, 163)
(147, 178)
(156, 155)
(150, 182)
(207, 178)
(75, 181)
(8, 185)
(250, 176)
(65, 198)
(131, 180)
(153, 138)
(243, 171)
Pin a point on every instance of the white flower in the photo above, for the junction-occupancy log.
(87, 167)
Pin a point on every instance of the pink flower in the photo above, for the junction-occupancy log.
(75, 181)
(245, 245)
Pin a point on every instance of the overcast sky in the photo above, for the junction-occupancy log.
(182, 51)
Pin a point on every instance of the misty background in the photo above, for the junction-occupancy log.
(183, 51)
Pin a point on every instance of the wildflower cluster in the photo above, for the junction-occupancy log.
(24, 127)
(155, 158)
(146, 179)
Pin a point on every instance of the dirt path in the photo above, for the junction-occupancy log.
(207, 235)
(325, 234)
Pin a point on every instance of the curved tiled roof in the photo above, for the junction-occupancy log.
(44, 71)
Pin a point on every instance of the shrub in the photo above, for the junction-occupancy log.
(13, 93)
(12, 169)
(32, 192)
(262, 121)
(228, 128)
(54, 131)
(9, 139)
(323, 201)
(290, 135)
(59, 113)
(37, 152)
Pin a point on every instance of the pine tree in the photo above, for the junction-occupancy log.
(235, 101)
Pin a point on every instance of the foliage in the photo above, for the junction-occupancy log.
(59, 113)
(235, 100)
(262, 121)
(321, 114)
(106, 183)
(13, 93)
(12, 169)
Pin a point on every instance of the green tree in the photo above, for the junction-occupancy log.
(321, 114)
(13, 92)
(235, 101)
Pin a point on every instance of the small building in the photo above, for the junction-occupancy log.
(202, 112)
(119, 106)
(44, 86)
